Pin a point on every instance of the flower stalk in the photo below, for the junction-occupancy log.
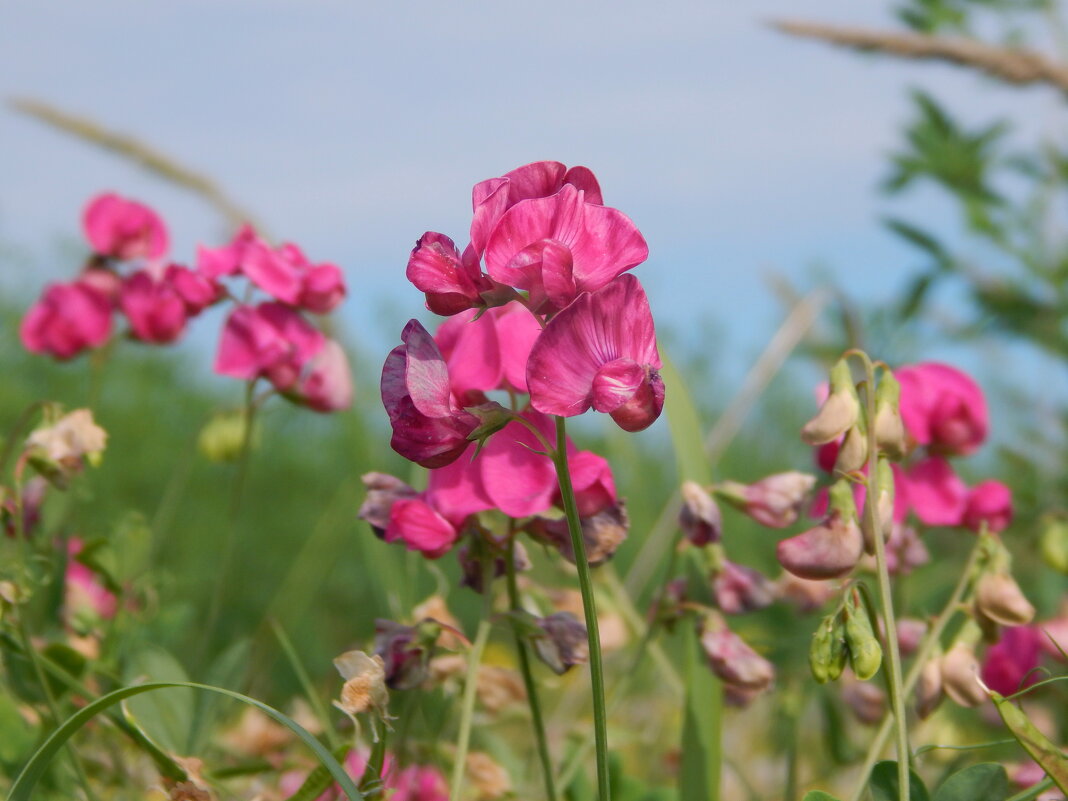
(589, 608)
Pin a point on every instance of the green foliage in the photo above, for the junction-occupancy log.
(986, 781)
(699, 771)
(884, 784)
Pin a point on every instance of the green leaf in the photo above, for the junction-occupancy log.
(16, 736)
(884, 785)
(1045, 753)
(227, 670)
(687, 437)
(986, 781)
(166, 718)
(818, 795)
(701, 735)
(22, 790)
(319, 779)
(72, 662)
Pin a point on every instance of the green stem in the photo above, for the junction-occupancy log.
(923, 653)
(536, 716)
(1034, 791)
(474, 659)
(873, 530)
(14, 433)
(306, 684)
(589, 608)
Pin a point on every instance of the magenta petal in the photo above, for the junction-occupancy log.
(326, 385)
(426, 377)
(155, 311)
(584, 179)
(615, 383)
(474, 352)
(273, 272)
(456, 491)
(517, 331)
(937, 494)
(247, 346)
(519, 481)
(420, 528)
(591, 476)
(124, 229)
(66, 320)
(596, 329)
(322, 288)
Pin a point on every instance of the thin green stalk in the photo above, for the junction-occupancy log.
(316, 702)
(923, 653)
(467, 710)
(589, 608)
(537, 719)
(14, 433)
(873, 530)
(230, 538)
(1034, 791)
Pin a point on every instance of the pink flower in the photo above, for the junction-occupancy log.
(732, 659)
(196, 289)
(226, 260)
(155, 310)
(829, 550)
(739, 589)
(988, 502)
(774, 501)
(1012, 659)
(325, 385)
(271, 341)
(489, 352)
(942, 408)
(429, 427)
(491, 198)
(286, 274)
(452, 282)
(937, 494)
(124, 229)
(600, 352)
(561, 246)
(66, 320)
(419, 526)
(84, 593)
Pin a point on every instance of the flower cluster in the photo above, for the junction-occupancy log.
(129, 272)
(541, 311)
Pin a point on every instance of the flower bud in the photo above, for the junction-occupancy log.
(472, 569)
(889, 427)
(806, 594)
(223, 437)
(827, 652)
(739, 589)
(999, 598)
(866, 701)
(602, 534)
(405, 651)
(910, 633)
(853, 454)
(563, 644)
(1054, 544)
(774, 501)
(865, 653)
(929, 688)
(838, 413)
(960, 676)
(699, 517)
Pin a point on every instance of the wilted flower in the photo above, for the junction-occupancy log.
(739, 589)
(960, 674)
(602, 534)
(365, 683)
(732, 659)
(774, 501)
(600, 351)
(382, 491)
(563, 643)
(61, 449)
(699, 516)
(406, 651)
(489, 779)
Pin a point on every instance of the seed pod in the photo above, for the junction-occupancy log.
(827, 653)
(865, 653)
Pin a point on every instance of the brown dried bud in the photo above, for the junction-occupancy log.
(365, 682)
(699, 518)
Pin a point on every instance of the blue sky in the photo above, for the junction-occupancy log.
(351, 128)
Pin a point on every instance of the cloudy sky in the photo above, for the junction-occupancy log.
(352, 127)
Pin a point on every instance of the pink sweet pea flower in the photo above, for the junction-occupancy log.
(591, 478)
(286, 274)
(197, 290)
(326, 383)
(942, 408)
(226, 260)
(561, 246)
(1012, 659)
(988, 502)
(429, 427)
(156, 312)
(452, 282)
(84, 593)
(936, 493)
(491, 198)
(66, 320)
(271, 341)
(489, 352)
(124, 229)
(600, 352)
(419, 526)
